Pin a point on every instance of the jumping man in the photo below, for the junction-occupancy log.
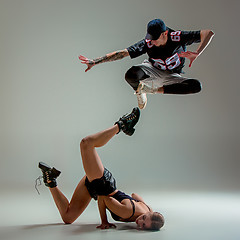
(161, 72)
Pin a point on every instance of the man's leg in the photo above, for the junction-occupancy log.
(144, 78)
(186, 87)
(134, 75)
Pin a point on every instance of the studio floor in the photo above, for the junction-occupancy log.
(189, 215)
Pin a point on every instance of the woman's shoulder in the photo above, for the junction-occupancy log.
(143, 207)
(137, 197)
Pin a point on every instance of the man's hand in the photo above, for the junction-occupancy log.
(190, 55)
(106, 225)
(90, 63)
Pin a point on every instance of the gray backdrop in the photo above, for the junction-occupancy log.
(48, 103)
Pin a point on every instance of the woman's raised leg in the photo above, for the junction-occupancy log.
(91, 161)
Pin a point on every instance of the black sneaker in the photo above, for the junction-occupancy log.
(127, 122)
(49, 174)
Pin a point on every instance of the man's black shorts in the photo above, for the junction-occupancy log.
(101, 186)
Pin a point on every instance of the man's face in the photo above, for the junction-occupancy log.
(161, 40)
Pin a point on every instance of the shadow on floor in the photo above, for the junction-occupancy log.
(81, 227)
(13, 232)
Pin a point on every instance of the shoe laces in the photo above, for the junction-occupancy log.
(47, 176)
(131, 116)
(38, 182)
(138, 93)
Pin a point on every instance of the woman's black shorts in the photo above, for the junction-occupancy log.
(101, 186)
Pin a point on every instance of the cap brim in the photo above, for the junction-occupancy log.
(149, 36)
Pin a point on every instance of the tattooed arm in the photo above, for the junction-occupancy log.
(107, 58)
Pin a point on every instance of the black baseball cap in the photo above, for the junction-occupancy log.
(155, 28)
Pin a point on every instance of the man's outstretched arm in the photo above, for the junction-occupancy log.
(206, 37)
(107, 58)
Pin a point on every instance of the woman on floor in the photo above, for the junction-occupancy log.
(98, 183)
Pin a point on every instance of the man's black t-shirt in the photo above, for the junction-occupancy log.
(166, 57)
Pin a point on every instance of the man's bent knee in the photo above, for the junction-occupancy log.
(134, 75)
(196, 86)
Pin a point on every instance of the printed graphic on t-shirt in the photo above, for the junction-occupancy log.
(170, 63)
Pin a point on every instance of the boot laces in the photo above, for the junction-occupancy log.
(38, 182)
(47, 176)
(131, 116)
